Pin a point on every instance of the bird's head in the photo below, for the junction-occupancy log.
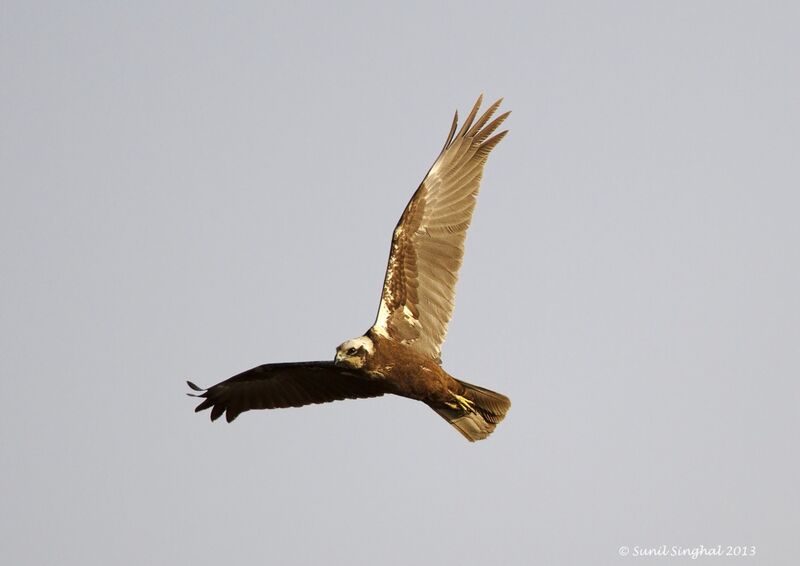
(354, 353)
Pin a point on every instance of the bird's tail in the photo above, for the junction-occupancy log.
(488, 409)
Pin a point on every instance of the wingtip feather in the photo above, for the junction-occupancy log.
(488, 130)
(485, 117)
(451, 134)
(490, 144)
(472, 113)
(216, 411)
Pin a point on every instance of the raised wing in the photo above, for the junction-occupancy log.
(274, 386)
(428, 243)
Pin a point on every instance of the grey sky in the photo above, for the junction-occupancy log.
(192, 189)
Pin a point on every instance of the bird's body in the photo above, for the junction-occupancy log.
(400, 353)
(405, 372)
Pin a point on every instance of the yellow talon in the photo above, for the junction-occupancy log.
(462, 403)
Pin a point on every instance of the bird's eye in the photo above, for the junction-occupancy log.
(351, 351)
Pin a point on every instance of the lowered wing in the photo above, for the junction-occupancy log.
(274, 386)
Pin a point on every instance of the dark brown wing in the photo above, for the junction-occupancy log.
(428, 243)
(274, 386)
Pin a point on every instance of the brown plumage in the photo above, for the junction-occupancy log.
(401, 353)
(277, 386)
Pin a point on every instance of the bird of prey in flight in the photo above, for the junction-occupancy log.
(400, 353)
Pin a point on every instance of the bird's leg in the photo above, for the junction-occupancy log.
(461, 403)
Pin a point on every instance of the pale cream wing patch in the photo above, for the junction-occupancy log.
(428, 242)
